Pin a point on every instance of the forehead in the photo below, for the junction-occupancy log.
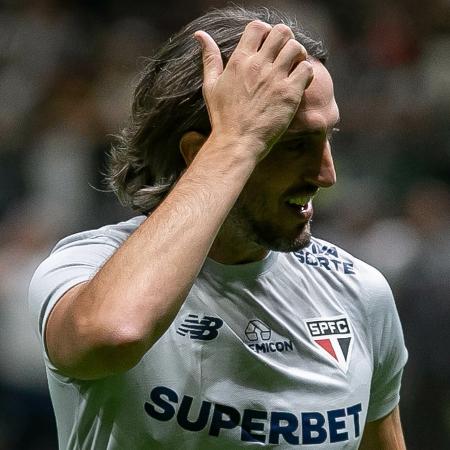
(318, 109)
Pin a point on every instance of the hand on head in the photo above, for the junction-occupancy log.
(259, 91)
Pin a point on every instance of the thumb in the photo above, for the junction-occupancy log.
(212, 59)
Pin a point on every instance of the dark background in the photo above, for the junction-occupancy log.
(67, 70)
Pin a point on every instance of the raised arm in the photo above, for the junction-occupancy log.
(106, 325)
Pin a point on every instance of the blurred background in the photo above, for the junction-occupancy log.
(67, 70)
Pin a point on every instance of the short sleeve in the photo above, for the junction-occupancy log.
(73, 261)
(389, 351)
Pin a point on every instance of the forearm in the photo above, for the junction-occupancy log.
(155, 268)
(135, 296)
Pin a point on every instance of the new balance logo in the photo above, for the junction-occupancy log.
(204, 329)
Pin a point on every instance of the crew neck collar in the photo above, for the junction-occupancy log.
(240, 271)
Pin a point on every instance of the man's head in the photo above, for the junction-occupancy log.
(274, 209)
(168, 102)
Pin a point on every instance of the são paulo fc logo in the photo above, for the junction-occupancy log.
(333, 338)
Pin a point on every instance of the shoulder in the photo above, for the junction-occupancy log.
(75, 259)
(86, 251)
(113, 235)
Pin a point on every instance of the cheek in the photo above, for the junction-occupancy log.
(261, 201)
(280, 169)
(268, 184)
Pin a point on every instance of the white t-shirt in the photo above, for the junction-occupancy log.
(298, 350)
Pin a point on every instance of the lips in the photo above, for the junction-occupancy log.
(300, 200)
(304, 212)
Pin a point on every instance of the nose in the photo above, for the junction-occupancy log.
(322, 172)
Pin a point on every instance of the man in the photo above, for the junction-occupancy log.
(215, 320)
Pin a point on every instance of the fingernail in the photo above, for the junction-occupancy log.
(200, 42)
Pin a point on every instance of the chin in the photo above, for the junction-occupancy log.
(267, 233)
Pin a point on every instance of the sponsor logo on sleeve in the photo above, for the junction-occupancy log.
(333, 338)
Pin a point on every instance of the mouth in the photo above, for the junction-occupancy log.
(301, 206)
(300, 201)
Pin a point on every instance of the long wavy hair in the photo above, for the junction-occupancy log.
(145, 161)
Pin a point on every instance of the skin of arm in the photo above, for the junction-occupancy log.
(384, 434)
(106, 325)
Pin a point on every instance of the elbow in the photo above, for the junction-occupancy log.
(122, 349)
(98, 352)
(123, 346)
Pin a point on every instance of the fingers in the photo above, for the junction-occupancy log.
(253, 36)
(290, 55)
(262, 41)
(275, 41)
(212, 59)
(302, 75)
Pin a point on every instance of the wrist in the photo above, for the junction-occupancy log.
(239, 146)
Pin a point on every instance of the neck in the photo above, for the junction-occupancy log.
(231, 247)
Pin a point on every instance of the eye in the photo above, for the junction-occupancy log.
(296, 145)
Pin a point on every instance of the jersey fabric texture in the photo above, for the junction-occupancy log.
(298, 350)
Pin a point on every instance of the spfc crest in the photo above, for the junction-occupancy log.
(333, 338)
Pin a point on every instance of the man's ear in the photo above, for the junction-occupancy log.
(190, 144)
